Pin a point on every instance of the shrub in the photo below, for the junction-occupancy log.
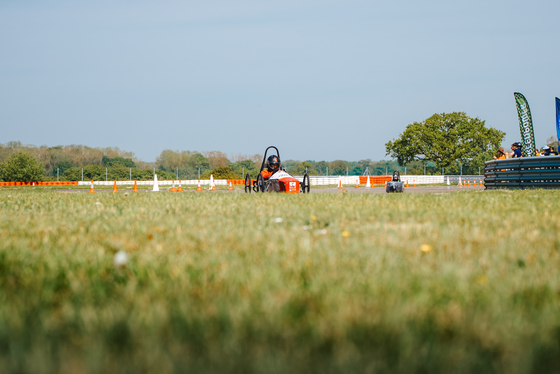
(22, 167)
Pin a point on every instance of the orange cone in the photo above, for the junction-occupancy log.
(115, 187)
(91, 190)
(213, 188)
(407, 183)
(180, 189)
(340, 184)
(135, 187)
(357, 185)
(199, 188)
(230, 188)
(173, 188)
(482, 184)
(414, 183)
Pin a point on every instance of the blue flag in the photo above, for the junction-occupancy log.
(558, 118)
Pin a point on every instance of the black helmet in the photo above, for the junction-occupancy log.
(273, 163)
(518, 145)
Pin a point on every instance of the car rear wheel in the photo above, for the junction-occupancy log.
(305, 184)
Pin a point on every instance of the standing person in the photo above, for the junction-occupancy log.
(546, 151)
(553, 152)
(501, 154)
(516, 148)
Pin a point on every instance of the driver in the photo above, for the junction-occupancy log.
(272, 166)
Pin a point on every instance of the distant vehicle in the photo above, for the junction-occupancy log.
(278, 181)
(395, 185)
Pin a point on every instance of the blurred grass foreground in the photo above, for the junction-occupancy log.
(325, 283)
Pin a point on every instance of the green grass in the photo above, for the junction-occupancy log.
(216, 284)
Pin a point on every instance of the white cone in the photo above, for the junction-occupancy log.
(211, 182)
(460, 181)
(368, 184)
(448, 180)
(156, 186)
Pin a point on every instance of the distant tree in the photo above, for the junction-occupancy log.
(62, 166)
(289, 165)
(245, 166)
(21, 167)
(216, 159)
(222, 172)
(304, 166)
(321, 167)
(199, 161)
(116, 161)
(338, 167)
(445, 139)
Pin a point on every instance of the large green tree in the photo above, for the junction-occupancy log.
(21, 167)
(445, 139)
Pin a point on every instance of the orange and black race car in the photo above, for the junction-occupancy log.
(273, 178)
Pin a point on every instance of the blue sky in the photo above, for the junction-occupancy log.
(322, 80)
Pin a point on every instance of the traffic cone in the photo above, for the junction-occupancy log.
(357, 184)
(230, 188)
(407, 183)
(180, 189)
(368, 183)
(115, 187)
(414, 183)
(135, 187)
(481, 184)
(460, 184)
(448, 180)
(212, 184)
(173, 187)
(91, 190)
(156, 185)
(468, 183)
(340, 183)
(199, 188)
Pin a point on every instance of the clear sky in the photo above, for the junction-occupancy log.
(322, 80)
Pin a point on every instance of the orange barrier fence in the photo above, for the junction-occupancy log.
(375, 180)
(9, 184)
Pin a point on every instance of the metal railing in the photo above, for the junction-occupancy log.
(520, 173)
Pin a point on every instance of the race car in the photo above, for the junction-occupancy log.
(395, 185)
(273, 178)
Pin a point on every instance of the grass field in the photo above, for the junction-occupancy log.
(462, 282)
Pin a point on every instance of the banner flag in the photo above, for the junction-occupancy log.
(558, 119)
(525, 125)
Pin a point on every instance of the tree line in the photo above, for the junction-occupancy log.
(444, 143)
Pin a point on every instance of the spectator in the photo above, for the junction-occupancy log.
(553, 152)
(516, 148)
(546, 151)
(501, 154)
